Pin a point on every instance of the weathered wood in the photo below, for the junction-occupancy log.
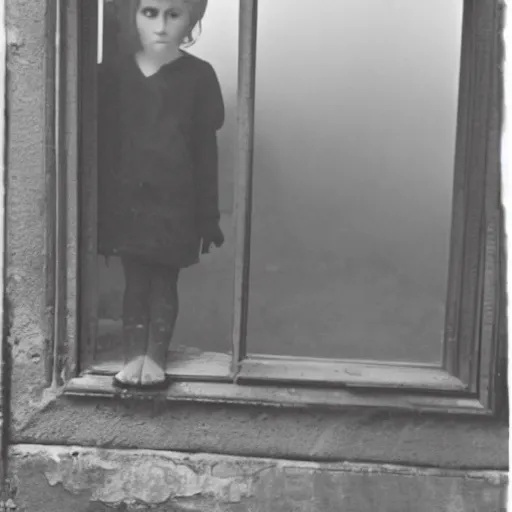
(64, 163)
(491, 302)
(63, 233)
(90, 386)
(336, 373)
(478, 56)
(451, 336)
(48, 316)
(59, 326)
(204, 366)
(69, 244)
(88, 184)
(243, 178)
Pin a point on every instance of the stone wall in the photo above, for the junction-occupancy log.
(55, 479)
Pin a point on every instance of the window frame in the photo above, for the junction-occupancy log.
(472, 377)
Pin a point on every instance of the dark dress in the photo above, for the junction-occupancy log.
(157, 159)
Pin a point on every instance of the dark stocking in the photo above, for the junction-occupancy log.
(163, 312)
(135, 308)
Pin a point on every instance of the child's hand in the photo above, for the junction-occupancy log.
(211, 234)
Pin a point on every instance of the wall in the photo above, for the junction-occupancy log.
(99, 455)
(92, 480)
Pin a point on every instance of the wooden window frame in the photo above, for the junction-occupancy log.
(471, 379)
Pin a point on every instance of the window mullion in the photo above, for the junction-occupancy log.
(244, 169)
(59, 310)
(88, 185)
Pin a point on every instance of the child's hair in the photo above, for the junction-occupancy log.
(129, 38)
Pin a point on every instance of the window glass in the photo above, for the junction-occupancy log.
(356, 106)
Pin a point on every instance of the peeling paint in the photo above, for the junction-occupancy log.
(14, 38)
(154, 478)
(151, 478)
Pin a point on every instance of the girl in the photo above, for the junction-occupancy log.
(159, 111)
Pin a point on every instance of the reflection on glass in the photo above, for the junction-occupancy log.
(161, 197)
(354, 150)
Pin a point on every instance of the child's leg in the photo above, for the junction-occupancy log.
(135, 318)
(163, 314)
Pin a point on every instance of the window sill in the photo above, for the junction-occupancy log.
(348, 373)
(280, 370)
(182, 364)
(91, 385)
(294, 382)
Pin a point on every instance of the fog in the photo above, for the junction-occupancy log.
(356, 106)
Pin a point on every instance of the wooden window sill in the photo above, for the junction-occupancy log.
(348, 373)
(280, 370)
(292, 382)
(224, 393)
(188, 365)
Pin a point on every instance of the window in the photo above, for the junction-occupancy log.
(301, 311)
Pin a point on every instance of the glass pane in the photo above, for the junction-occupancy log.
(203, 328)
(354, 154)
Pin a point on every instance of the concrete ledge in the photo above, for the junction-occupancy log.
(358, 436)
(65, 478)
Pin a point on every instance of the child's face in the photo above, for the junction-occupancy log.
(162, 24)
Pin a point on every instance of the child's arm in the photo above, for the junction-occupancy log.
(209, 119)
